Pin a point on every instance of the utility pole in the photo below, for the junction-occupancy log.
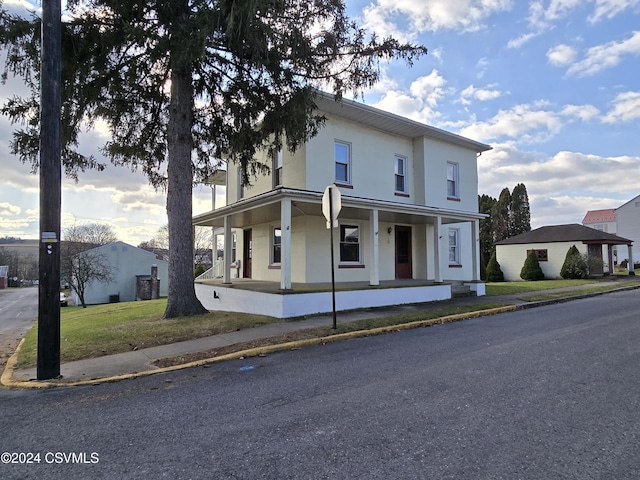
(48, 365)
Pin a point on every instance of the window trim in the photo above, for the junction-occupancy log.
(405, 184)
(455, 262)
(350, 263)
(542, 254)
(455, 180)
(273, 244)
(348, 181)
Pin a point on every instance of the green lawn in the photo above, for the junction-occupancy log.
(119, 327)
(508, 288)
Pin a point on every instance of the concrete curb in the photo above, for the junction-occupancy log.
(8, 381)
(7, 376)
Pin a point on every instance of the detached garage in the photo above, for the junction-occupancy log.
(551, 245)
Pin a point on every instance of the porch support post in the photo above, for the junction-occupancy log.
(631, 271)
(436, 249)
(285, 254)
(374, 269)
(475, 250)
(610, 258)
(227, 250)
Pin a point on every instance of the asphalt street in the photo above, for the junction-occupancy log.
(547, 393)
(18, 313)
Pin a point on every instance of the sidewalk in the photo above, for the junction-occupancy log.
(139, 362)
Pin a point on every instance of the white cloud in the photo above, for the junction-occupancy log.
(523, 122)
(395, 17)
(561, 55)
(626, 108)
(521, 40)
(582, 112)
(481, 94)
(7, 208)
(561, 187)
(605, 56)
(421, 102)
(542, 18)
(610, 8)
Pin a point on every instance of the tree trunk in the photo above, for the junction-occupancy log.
(182, 299)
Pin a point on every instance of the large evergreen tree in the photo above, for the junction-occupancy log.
(182, 83)
(520, 212)
(501, 216)
(486, 204)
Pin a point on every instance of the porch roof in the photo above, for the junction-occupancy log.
(265, 208)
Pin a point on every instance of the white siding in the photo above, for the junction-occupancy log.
(436, 155)
(127, 261)
(372, 160)
(511, 258)
(628, 226)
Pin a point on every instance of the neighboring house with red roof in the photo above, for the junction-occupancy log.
(628, 226)
(551, 244)
(603, 220)
(623, 221)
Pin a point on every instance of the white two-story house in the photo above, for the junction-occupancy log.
(408, 226)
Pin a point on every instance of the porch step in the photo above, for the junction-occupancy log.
(462, 291)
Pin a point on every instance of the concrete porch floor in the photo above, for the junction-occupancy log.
(274, 287)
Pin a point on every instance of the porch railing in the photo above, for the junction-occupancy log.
(217, 271)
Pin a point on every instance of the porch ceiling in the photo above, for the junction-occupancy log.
(266, 209)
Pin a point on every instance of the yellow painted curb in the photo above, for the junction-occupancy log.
(8, 381)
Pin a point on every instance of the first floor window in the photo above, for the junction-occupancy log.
(349, 243)
(277, 245)
(454, 246)
(453, 190)
(234, 242)
(542, 254)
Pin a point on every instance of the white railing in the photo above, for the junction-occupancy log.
(217, 271)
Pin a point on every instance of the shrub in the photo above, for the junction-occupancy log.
(199, 271)
(574, 265)
(494, 272)
(531, 269)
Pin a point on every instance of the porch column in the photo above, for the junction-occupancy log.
(631, 271)
(374, 269)
(436, 248)
(610, 258)
(475, 250)
(226, 258)
(285, 248)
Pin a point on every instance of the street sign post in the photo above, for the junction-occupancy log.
(331, 206)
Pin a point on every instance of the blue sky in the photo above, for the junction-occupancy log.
(553, 86)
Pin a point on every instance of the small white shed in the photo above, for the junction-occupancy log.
(551, 244)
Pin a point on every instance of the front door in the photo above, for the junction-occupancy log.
(403, 252)
(595, 267)
(248, 254)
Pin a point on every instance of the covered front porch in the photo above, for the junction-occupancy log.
(390, 233)
(267, 298)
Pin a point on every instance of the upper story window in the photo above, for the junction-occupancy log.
(277, 168)
(453, 183)
(401, 174)
(342, 157)
(454, 246)
(240, 186)
(350, 243)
